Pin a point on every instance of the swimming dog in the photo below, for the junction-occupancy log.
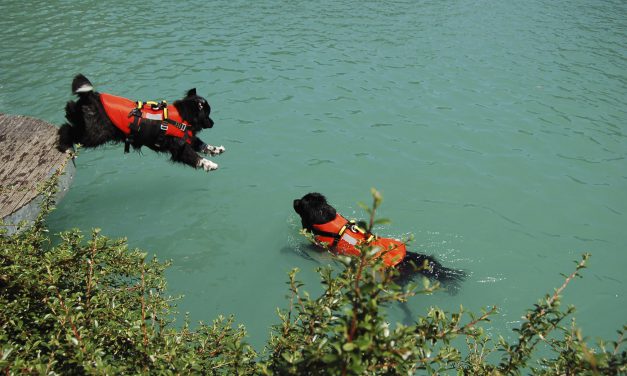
(331, 230)
(100, 118)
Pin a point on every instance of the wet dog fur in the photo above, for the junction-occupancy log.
(88, 125)
(313, 208)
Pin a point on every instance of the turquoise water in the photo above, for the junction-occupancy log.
(495, 130)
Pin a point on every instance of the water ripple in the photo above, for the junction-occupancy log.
(512, 114)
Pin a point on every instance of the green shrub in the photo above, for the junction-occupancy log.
(92, 306)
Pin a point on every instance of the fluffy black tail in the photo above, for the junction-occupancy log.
(81, 84)
(415, 263)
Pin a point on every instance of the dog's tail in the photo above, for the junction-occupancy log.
(81, 85)
(432, 269)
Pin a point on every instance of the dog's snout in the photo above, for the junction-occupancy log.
(296, 204)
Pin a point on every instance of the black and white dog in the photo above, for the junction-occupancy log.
(316, 214)
(99, 118)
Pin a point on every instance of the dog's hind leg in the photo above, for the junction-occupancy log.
(65, 142)
(71, 132)
(431, 268)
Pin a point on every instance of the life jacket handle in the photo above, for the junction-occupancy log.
(369, 237)
(353, 226)
(154, 105)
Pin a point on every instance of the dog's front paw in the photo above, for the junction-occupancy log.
(207, 165)
(213, 150)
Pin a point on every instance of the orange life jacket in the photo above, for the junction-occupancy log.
(128, 116)
(342, 235)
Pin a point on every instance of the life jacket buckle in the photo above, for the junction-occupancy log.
(164, 126)
(135, 112)
(355, 227)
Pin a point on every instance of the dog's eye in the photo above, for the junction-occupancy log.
(200, 106)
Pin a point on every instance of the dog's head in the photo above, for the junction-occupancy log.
(195, 110)
(314, 209)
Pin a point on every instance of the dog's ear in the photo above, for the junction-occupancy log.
(191, 92)
(298, 206)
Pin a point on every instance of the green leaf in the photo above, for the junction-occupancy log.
(382, 221)
(288, 357)
(329, 358)
(365, 207)
(348, 347)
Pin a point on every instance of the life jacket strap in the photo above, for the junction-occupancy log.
(180, 126)
(134, 127)
(326, 234)
(336, 236)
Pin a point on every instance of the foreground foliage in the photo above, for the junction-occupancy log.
(92, 306)
(95, 307)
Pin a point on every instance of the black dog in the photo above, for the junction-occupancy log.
(314, 210)
(96, 119)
